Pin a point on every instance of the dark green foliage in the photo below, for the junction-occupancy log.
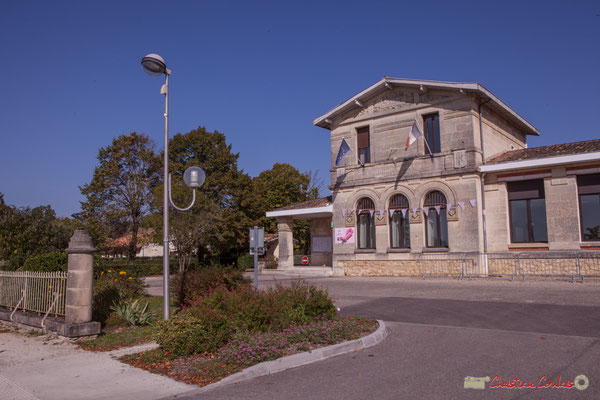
(222, 313)
(189, 285)
(245, 261)
(137, 267)
(225, 207)
(49, 262)
(26, 232)
(282, 186)
(186, 335)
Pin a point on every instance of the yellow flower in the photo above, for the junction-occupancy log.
(109, 270)
(50, 286)
(60, 294)
(122, 273)
(101, 273)
(116, 279)
(129, 278)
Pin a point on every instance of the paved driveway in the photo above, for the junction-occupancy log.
(443, 331)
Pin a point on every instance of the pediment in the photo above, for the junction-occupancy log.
(396, 100)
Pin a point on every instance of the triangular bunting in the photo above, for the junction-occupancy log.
(343, 212)
(371, 212)
(403, 210)
(414, 210)
(448, 206)
(426, 210)
(381, 214)
(437, 209)
(392, 213)
(461, 204)
(473, 203)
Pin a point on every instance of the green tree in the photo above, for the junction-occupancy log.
(217, 224)
(281, 186)
(26, 232)
(120, 193)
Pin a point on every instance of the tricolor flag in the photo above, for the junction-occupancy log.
(344, 149)
(414, 134)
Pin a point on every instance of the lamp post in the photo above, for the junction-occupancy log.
(154, 65)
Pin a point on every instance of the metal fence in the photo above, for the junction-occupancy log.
(575, 265)
(40, 292)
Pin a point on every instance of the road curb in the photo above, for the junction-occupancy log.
(297, 360)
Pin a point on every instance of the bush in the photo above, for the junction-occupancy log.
(113, 287)
(189, 285)
(48, 262)
(245, 261)
(186, 334)
(222, 313)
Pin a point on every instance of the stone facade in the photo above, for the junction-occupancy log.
(413, 173)
(467, 114)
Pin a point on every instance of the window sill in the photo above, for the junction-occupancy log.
(364, 251)
(393, 250)
(591, 245)
(436, 250)
(536, 246)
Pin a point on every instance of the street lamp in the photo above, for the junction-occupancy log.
(154, 65)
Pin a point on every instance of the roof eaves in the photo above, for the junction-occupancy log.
(475, 87)
(540, 162)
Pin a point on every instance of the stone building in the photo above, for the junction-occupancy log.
(392, 204)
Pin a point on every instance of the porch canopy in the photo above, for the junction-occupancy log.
(319, 212)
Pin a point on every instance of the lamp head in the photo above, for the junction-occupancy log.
(194, 177)
(154, 65)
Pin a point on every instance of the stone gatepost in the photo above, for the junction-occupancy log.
(80, 278)
(286, 243)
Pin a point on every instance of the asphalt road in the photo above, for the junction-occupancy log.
(443, 331)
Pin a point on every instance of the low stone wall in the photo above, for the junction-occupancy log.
(589, 266)
(498, 264)
(380, 268)
(501, 266)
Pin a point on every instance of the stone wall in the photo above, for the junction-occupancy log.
(464, 230)
(379, 268)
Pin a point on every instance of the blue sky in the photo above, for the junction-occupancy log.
(260, 72)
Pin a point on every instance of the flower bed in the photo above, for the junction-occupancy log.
(227, 329)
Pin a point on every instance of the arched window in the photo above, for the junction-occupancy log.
(365, 210)
(399, 225)
(436, 224)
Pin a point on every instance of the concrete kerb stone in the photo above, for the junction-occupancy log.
(297, 360)
(134, 349)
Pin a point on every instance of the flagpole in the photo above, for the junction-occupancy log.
(430, 152)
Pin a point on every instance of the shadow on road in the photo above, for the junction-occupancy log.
(542, 318)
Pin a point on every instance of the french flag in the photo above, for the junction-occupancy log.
(414, 134)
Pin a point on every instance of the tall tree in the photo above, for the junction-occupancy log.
(120, 193)
(281, 186)
(218, 222)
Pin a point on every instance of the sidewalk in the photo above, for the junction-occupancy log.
(39, 367)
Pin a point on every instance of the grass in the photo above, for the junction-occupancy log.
(115, 337)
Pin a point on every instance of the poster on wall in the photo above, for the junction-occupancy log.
(344, 235)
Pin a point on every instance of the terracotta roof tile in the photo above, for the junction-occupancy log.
(323, 201)
(552, 150)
